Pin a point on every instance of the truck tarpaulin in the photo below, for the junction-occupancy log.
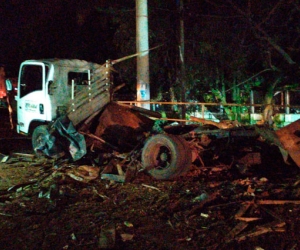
(53, 144)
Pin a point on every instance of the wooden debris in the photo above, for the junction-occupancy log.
(88, 172)
(120, 170)
(4, 158)
(23, 157)
(296, 183)
(200, 205)
(21, 185)
(220, 125)
(239, 215)
(9, 215)
(113, 177)
(155, 188)
(248, 219)
(243, 209)
(108, 169)
(191, 220)
(267, 228)
(83, 173)
(237, 230)
(277, 202)
(127, 237)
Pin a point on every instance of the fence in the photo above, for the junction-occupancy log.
(243, 113)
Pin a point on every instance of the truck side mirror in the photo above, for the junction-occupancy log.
(8, 85)
(50, 88)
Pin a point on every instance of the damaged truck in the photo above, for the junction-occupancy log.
(67, 104)
(67, 107)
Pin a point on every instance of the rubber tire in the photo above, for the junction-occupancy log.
(37, 135)
(177, 152)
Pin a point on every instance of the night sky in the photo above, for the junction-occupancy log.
(46, 29)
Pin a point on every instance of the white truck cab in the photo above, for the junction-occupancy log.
(45, 87)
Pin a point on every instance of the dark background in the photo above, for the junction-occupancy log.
(226, 41)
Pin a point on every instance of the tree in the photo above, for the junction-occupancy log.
(236, 42)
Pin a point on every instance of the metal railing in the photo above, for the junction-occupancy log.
(244, 113)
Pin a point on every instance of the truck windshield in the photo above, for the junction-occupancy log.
(31, 79)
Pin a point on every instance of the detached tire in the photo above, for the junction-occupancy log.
(166, 156)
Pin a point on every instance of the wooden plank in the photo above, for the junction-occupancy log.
(277, 202)
(85, 97)
(87, 109)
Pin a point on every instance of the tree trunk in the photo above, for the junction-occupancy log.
(268, 103)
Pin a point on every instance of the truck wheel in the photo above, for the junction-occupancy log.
(165, 156)
(39, 138)
(46, 143)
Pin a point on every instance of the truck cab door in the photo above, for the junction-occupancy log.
(31, 100)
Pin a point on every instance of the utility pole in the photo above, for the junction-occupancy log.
(142, 47)
(181, 54)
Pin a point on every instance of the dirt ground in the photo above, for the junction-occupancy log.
(45, 205)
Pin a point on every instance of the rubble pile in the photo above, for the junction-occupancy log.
(62, 206)
(189, 187)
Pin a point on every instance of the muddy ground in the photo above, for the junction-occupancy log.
(44, 206)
